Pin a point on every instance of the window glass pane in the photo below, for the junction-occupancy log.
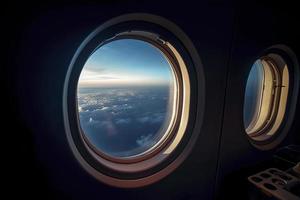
(125, 97)
(253, 93)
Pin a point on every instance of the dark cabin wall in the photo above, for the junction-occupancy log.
(39, 41)
(42, 39)
(258, 26)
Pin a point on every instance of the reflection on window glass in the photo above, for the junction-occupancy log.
(125, 97)
(253, 93)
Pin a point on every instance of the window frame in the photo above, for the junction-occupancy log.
(282, 59)
(132, 175)
(165, 48)
(269, 98)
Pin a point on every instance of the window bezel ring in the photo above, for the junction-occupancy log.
(271, 141)
(124, 176)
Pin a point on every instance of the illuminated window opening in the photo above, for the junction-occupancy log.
(178, 116)
(271, 90)
(140, 168)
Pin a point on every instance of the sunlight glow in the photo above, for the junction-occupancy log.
(126, 62)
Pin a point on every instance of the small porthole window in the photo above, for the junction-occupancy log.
(132, 97)
(266, 97)
(127, 99)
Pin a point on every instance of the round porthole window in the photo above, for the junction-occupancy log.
(127, 97)
(268, 91)
(131, 100)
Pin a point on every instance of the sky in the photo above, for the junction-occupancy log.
(253, 89)
(126, 62)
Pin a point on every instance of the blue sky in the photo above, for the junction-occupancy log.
(253, 91)
(126, 62)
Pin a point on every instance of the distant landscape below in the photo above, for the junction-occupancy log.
(123, 121)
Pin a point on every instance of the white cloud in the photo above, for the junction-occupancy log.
(143, 119)
(145, 140)
(105, 108)
(156, 118)
(123, 121)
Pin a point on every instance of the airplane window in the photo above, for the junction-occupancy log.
(126, 98)
(133, 100)
(265, 97)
